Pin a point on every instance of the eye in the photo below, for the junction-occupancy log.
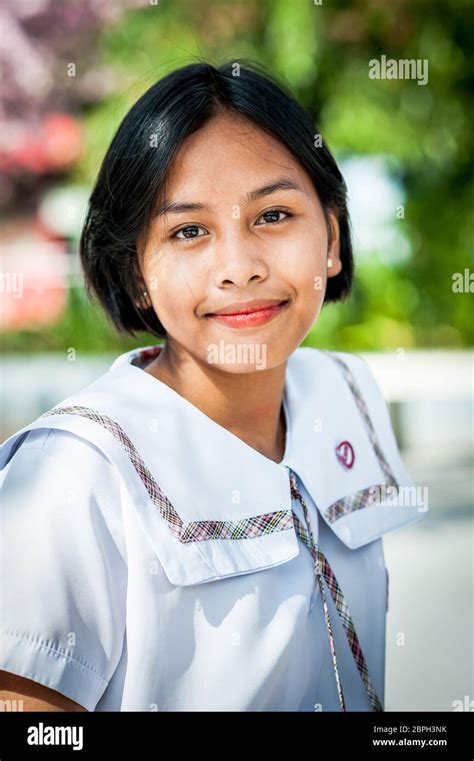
(272, 213)
(189, 232)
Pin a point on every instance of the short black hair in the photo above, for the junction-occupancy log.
(123, 202)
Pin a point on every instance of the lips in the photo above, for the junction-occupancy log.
(250, 313)
(247, 307)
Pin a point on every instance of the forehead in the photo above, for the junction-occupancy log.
(230, 151)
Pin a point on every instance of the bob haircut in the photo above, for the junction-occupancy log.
(133, 173)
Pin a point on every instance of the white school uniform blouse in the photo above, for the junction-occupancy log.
(153, 561)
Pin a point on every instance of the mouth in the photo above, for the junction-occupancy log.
(250, 315)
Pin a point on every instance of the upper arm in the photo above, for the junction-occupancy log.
(33, 696)
(63, 592)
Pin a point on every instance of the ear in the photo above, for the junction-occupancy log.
(334, 265)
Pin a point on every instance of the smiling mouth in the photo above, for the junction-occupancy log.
(250, 317)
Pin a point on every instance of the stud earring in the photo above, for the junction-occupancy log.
(330, 262)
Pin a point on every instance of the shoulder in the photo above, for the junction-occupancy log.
(359, 398)
(357, 387)
(55, 477)
(365, 388)
(353, 366)
(58, 451)
(311, 355)
(364, 385)
(375, 411)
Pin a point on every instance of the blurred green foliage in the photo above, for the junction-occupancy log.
(322, 52)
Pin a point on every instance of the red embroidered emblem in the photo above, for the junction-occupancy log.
(345, 454)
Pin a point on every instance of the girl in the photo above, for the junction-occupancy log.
(201, 528)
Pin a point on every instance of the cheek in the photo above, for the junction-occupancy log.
(173, 284)
(303, 265)
(308, 278)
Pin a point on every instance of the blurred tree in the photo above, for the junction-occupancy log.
(50, 70)
(420, 132)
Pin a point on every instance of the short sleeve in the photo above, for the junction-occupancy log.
(63, 565)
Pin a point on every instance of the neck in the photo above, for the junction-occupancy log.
(249, 405)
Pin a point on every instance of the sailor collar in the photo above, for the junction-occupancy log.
(211, 505)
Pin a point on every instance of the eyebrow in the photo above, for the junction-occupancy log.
(282, 183)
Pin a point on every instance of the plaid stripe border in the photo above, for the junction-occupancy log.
(195, 531)
(364, 497)
(257, 525)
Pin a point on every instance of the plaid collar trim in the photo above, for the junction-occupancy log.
(209, 487)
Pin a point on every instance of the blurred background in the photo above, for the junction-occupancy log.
(73, 68)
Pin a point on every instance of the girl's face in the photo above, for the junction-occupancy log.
(240, 222)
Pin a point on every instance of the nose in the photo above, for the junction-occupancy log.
(238, 262)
